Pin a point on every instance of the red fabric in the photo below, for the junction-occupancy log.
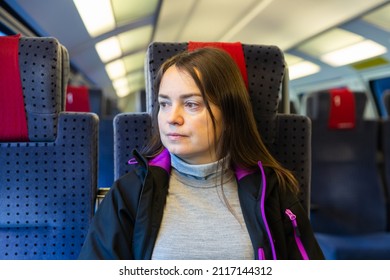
(234, 49)
(77, 99)
(342, 110)
(13, 120)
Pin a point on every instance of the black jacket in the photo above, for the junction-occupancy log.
(127, 221)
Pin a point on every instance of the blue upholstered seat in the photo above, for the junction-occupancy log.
(347, 192)
(47, 182)
(86, 99)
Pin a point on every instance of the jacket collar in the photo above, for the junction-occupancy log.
(163, 160)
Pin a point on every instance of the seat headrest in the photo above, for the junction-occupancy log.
(37, 75)
(339, 108)
(233, 49)
(77, 99)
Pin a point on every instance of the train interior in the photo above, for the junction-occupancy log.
(89, 102)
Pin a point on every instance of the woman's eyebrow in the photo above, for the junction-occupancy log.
(163, 96)
(182, 96)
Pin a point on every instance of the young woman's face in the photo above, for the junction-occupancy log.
(185, 125)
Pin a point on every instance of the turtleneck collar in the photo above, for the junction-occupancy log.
(198, 171)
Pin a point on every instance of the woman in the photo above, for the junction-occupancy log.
(205, 187)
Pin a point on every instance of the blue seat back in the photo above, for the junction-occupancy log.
(48, 183)
(347, 192)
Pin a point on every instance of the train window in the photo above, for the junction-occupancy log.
(5, 28)
(2, 30)
(378, 87)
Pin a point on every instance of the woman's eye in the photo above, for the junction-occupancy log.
(162, 104)
(192, 105)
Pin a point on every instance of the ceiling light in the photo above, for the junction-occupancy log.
(298, 68)
(121, 86)
(331, 40)
(353, 53)
(136, 39)
(120, 83)
(122, 92)
(116, 69)
(126, 11)
(97, 15)
(135, 61)
(380, 17)
(302, 69)
(109, 49)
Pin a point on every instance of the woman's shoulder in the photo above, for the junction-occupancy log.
(135, 177)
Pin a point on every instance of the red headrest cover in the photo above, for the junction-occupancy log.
(234, 49)
(342, 109)
(13, 120)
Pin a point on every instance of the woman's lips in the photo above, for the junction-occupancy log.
(175, 136)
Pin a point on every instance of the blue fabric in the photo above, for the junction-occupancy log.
(357, 247)
(349, 214)
(106, 153)
(48, 192)
(48, 186)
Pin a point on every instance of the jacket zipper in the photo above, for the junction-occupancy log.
(297, 234)
(260, 252)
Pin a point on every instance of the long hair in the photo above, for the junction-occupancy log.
(220, 82)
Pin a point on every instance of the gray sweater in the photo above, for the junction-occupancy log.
(197, 223)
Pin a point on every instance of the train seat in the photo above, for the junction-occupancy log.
(286, 135)
(48, 156)
(78, 99)
(86, 99)
(347, 192)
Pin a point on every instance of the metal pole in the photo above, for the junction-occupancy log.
(285, 92)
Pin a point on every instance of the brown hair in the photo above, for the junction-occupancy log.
(220, 81)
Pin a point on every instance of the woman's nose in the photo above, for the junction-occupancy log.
(175, 116)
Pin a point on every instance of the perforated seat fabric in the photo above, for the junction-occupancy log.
(86, 99)
(287, 136)
(131, 131)
(47, 185)
(41, 69)
(348, 201)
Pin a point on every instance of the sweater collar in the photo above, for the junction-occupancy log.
(198, 171)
